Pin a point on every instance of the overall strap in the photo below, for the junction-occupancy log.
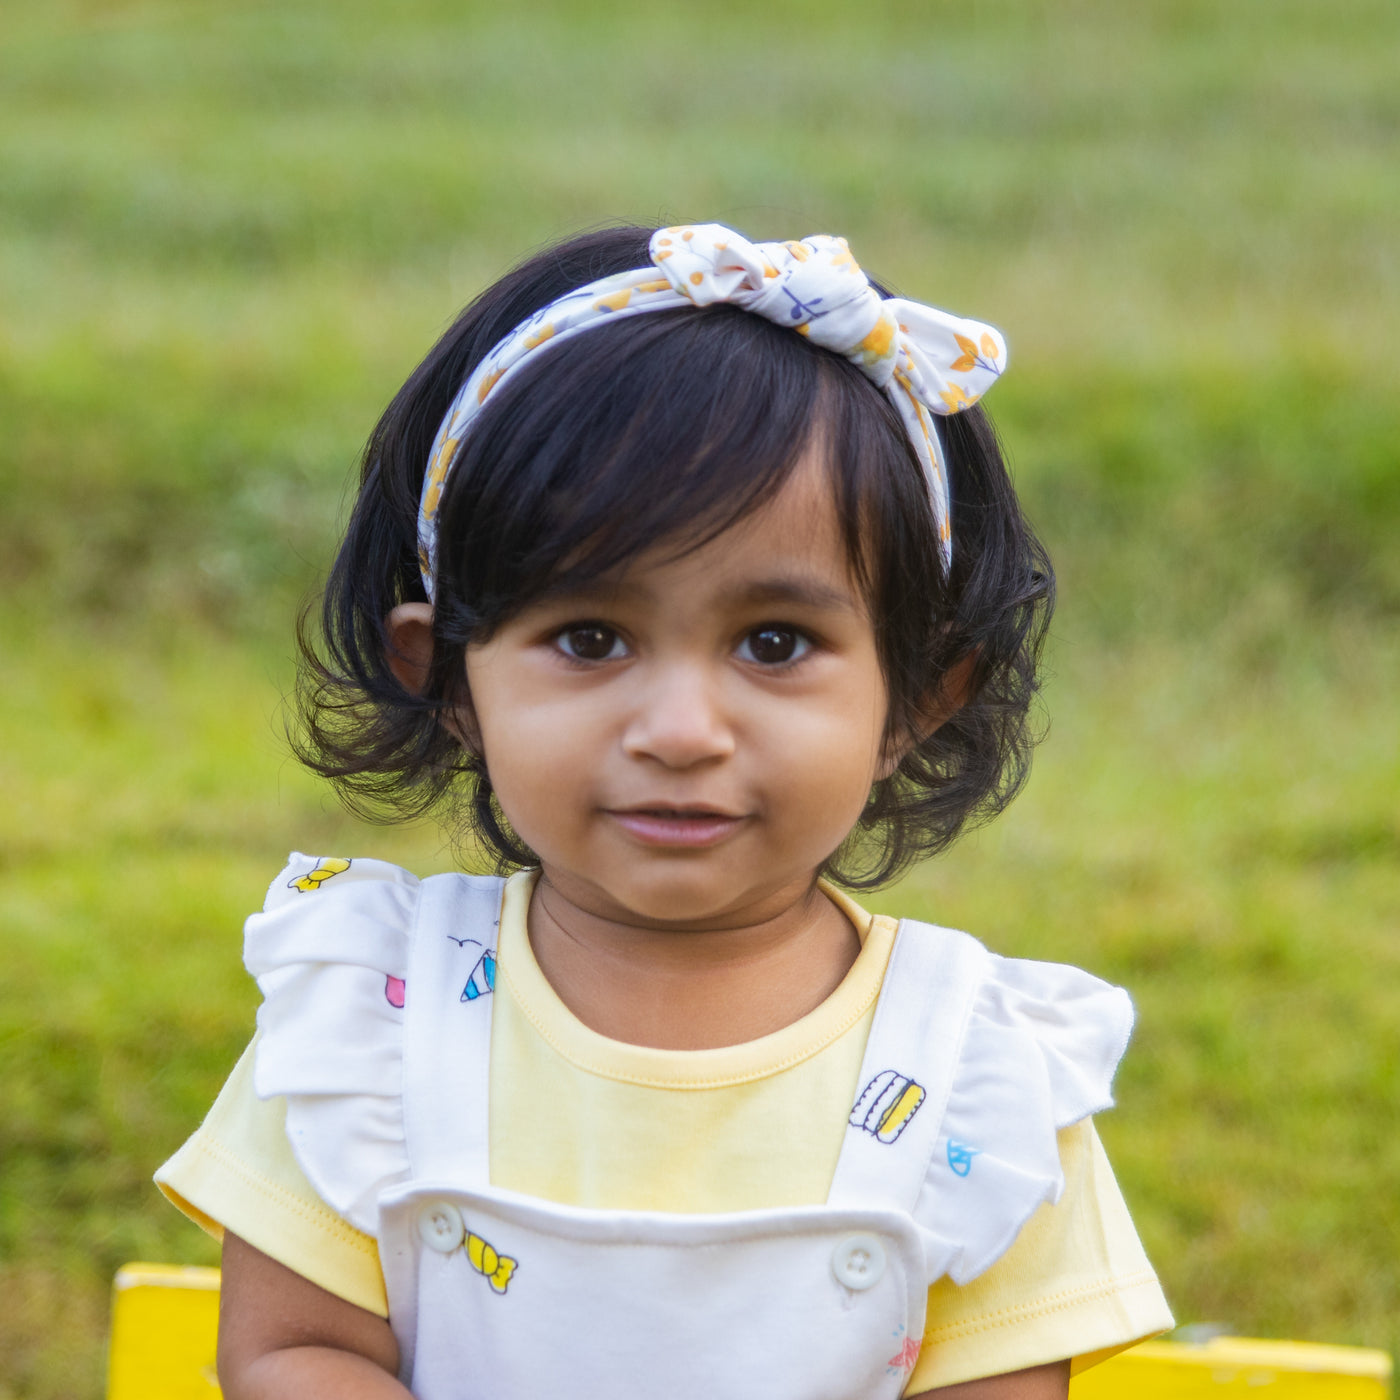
(910, 1060)
(448, 997)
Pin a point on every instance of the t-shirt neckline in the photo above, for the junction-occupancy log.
(519, 976)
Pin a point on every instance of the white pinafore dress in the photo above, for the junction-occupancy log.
(376, 1028)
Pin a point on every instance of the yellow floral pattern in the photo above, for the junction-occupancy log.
(813, 285)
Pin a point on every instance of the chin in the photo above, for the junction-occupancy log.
(678, 896)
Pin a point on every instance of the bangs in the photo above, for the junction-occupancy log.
(662, 429)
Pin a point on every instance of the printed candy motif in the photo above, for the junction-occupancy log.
(903, 1361)
(886, 1105)
(496, 1269)
(960, 1157)
(316, 877)
(443, 1228)
(482, 982)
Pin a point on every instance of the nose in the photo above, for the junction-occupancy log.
(679, 718)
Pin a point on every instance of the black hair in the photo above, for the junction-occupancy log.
(600, 447)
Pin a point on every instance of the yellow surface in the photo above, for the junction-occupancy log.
(165, 1323)
(1228, 1365)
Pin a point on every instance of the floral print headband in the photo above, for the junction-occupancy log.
(924, 359)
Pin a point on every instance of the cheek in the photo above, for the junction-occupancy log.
(532, 783)
(832, 755)
(537, 753)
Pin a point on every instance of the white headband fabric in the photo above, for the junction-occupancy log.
(925, 360)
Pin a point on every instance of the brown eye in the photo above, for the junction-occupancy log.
(772, 646)
(590, 641)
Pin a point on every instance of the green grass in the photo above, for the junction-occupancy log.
(228, 232)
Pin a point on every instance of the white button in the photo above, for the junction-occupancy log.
(440, 1227)
(859, 1261)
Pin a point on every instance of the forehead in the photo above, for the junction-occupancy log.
(790, 548)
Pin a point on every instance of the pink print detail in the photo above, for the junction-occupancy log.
(907, 1355)
(393, 991)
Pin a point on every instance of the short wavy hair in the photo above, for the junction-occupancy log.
(672, 426)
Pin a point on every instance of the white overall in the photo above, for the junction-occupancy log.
(498, 1296)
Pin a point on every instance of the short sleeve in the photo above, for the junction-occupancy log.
(1038, 1054)
(237, 1172)
(1076, 1283)
(330, 954)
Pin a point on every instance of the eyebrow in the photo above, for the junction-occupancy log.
(790, 590)
(798, 591)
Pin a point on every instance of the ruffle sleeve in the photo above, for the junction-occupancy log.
(1039, 1052)
(330, 954)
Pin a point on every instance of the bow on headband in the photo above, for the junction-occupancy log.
(924, 359)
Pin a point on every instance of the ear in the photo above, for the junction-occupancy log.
(409, 636)
(408, 632)
(953, 692)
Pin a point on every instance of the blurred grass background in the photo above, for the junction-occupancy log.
(227, 233)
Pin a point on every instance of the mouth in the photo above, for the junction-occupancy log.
(692, 828)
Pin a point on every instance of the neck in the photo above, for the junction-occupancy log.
(692, 986)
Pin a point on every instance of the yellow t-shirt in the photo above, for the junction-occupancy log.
(583, 1120)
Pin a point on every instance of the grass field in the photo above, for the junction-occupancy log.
(228, 232)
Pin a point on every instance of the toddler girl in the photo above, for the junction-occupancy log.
(685, 568)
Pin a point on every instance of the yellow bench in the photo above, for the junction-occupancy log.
(165, 1321)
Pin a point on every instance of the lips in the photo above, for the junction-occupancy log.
(692, 828)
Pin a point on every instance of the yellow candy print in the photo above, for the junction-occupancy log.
(899, 1112)
(886, 1105)
(497, 1269)
(315, 878)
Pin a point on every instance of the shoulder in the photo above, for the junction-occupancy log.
(1028, 1049)
(330, 951)
(1079, 1023)
(1019, 1015)
(354, 911)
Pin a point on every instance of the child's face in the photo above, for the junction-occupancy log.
(688, 741)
